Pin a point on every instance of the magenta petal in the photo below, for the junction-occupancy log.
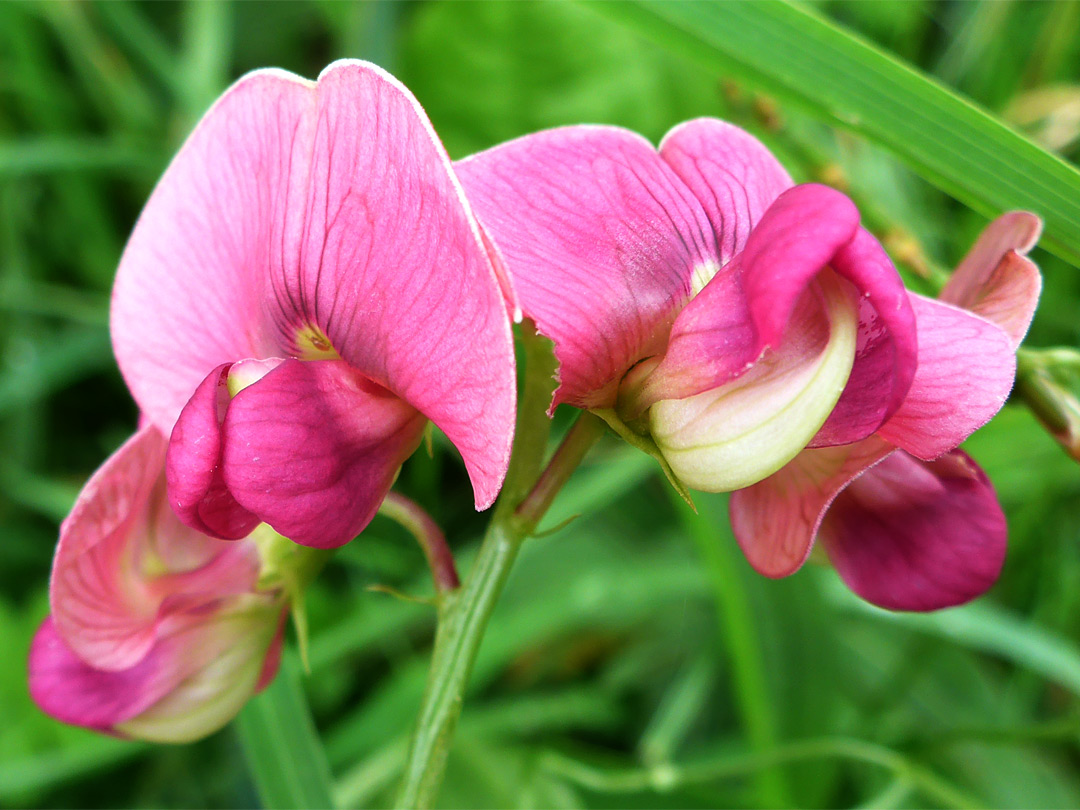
(886, 354)
(1016, 231)
(313, 447)
(776, 520)
(601, 239)
(388, 261)
(72, 691)
(965, 372)
(197, 490)
(914, 535)
(746, 307)
(733, 175)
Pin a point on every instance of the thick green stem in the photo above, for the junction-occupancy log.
(463, 614)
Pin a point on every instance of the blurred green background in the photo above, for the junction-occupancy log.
(637, 636)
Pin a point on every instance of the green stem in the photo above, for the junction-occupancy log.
(410, 516)
(464, 614)
(667, 777)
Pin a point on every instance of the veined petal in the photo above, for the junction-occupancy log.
(190, 290)
(965, 372)
(124, 561)
(326, 215)
(313, 447)
(777, 519)
(741, 432)
(601, 239)
(996, 280)
(1016, 231)
(730, 172)
(388, 261)
(915, 535)
(197, 490)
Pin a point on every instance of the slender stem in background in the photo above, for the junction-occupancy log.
(740, 635)
(408, 514)
(463, 614)
(668, 777)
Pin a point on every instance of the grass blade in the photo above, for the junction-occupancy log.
(282, 747)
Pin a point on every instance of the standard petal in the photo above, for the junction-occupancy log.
(730, 172)
(601, 239)
(313, 447)
(914, 535)
(776, 520)
(887, 354)
(965, 372)
(197, 490)
(189, 292)
(737, 434)
(387, 260)
(746, 307)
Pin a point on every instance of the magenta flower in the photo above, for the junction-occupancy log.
(921, 529)
(726, 320)
(305, 288)
(696, 299)
(157, 631)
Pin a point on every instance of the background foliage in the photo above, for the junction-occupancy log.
(635, 659)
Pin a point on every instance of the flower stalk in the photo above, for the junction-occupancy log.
(464, 614)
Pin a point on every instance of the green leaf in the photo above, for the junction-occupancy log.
(792, 53)
(282, 747)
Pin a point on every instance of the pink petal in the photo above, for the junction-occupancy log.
(913, 535)
(389, 262)
(1016, 231)
(746, 307)
(965, 372)
(730, 172)
(197, 490)
(601, 239)
(190, 292)
(886, 356)
(776, 520)
(313, 447)
(72, 691)
(300, 215)
(124, 561)
(1006, 294)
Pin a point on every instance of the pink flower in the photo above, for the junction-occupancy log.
(918, 528)
(709, 310)
(726, 320)
(157, 631)
(305, 288)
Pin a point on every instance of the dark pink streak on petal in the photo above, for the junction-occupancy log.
(733, 176)
(600, 237)
(965, 372)
(914, 535)
(197, 490)
(886, 354)
(776, 520)
(383, 254)
(313, 447)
